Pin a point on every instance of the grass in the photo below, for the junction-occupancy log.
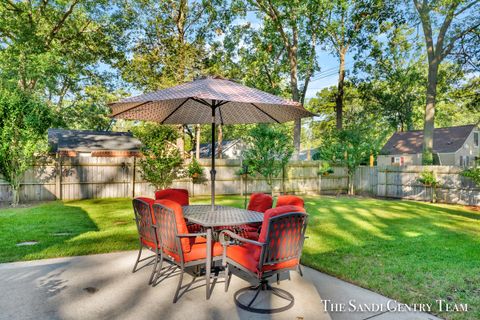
(410, 251)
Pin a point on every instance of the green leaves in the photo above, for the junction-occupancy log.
(270, 148)
(24, 121)
(472, 173)
(162, 162)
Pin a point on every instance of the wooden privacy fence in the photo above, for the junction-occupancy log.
(402, 182)
(101, 177)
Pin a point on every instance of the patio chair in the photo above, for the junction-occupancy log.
(144, 219)
(287, 200)
(277, 250)
(180, 247)
(178, 195)
(259, 202)
(181, 197)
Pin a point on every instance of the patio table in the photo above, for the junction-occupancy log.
(220, 216)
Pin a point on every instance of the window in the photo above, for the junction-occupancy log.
(461, 161)
(475, 139)
(399, 161)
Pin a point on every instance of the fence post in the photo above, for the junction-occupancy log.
(58, 178)
(134, 169)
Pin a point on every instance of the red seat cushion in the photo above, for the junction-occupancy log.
(260, 202)
(178, 195)
(288, 200)
(198, 250)
(245, 256)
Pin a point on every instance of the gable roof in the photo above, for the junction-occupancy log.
(206, 148)
(87, 141)
(445, 140)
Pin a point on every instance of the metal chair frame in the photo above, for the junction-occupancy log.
(266, 258)
(157, 252)
(161, 212)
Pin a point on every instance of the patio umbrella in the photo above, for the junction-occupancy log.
(209, 100)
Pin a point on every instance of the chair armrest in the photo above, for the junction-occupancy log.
(237, 237)
(184, 235)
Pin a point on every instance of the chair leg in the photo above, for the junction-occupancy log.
(154, 271)
(300, 270)
(179, 286)
(138, 259)
(159, 270)
(278, 278)
(228, 277)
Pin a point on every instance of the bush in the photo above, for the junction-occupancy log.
(472, 173)
(162, 162)
(196, 172)
(24, 121)
(269, 150)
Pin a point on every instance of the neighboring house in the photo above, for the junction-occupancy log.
(73, 143)
(452, 146)
(231, 149)
(308, 154)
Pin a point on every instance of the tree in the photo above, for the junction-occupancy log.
(269, 150)
(390, 78)
(350, 147)
(289, 36)
(162, 162)
(24, 120)
(170, 48)
(348, 26)
(52, 47)
(452, 22)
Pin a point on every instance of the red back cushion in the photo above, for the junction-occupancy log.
(178, 195)
(272, 213)
(180, 222)
(260, 202)
(150, 201)
(288, 200)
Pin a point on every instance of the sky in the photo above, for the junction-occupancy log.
(328, 74)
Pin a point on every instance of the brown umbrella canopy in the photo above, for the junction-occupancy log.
(209, 100)
(193, 102)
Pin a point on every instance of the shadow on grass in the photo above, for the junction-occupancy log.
(52, 225)
(411, 251)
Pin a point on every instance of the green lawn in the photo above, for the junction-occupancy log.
(411, 251)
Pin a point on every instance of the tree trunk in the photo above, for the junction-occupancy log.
(180, 140)
(340, 92)
(351, 190)
(15, 194)
(292, 56)
(429, 124)
(197, 141)
(220, 142)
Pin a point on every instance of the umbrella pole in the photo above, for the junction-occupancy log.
(212, 171)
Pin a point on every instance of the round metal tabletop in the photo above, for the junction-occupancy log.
(222, 216)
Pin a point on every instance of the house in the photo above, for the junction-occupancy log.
(309, 154)
(73, 143)
(452, 146)
(231, 149)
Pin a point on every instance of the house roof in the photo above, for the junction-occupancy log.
(88, 141)
(445, 140)
(206, 148)
(302, 155)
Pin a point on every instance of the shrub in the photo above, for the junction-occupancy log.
(472, 173)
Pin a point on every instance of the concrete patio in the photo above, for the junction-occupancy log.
(103, 287)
